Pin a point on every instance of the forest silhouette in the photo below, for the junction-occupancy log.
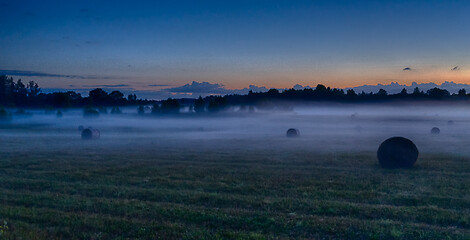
(18, 94)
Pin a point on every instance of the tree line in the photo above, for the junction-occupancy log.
(275, 98)
(18, 94)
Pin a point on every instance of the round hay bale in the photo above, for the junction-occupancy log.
(80, 128)
(293, 132)
(435, 130)
(450, 122)
(90, 133)
(4, 114)
(397, 152)
(90, 113)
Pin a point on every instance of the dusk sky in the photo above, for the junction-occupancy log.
(150, 45)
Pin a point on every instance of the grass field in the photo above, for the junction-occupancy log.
(57, 187)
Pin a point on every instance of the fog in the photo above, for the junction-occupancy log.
(337, 128)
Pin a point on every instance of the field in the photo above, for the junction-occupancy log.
(168, 183)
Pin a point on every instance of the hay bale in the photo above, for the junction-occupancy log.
(90, 133)
(4, 114)
(397, 152)
(435, 130)
(90, 113)
(450, 122)
(80, 128)
(293, 132)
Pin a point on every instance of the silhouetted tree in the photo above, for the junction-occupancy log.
(131, 98)
(5, 89)
(116, 97)
(351, 93)
(98, 96)
(61, 100)
(33, 89)
(217, 104)
(437, 93)
(403, 92)
(417, 92)
(199, 105)
(170, 106)
(462, 92)
(272, 92)
(382, 93)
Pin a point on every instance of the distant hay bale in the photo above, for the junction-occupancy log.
(4, 114)
(397, 152)
(80, 128)
(90, 133)
(293, 132)
(90, 113)
(435, 130)
(450, 122)
(59, 114)
(21, 111)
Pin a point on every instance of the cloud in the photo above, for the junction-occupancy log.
(456, 68)
(205, 88)
(84, 10)
(300, 87)
(407, 69)
(197, 87)
(43, 74)
(253, 88)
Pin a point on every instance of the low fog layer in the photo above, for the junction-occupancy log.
(324, 128)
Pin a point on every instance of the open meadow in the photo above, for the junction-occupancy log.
(235, 176)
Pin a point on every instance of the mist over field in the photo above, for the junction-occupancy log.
(323, 128)
(235, 175)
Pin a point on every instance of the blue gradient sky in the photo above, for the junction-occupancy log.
(235, 43)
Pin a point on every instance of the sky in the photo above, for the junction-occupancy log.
(147, 46)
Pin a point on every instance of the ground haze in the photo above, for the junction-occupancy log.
(235, 175)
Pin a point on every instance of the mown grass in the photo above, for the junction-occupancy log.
(220, 190)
